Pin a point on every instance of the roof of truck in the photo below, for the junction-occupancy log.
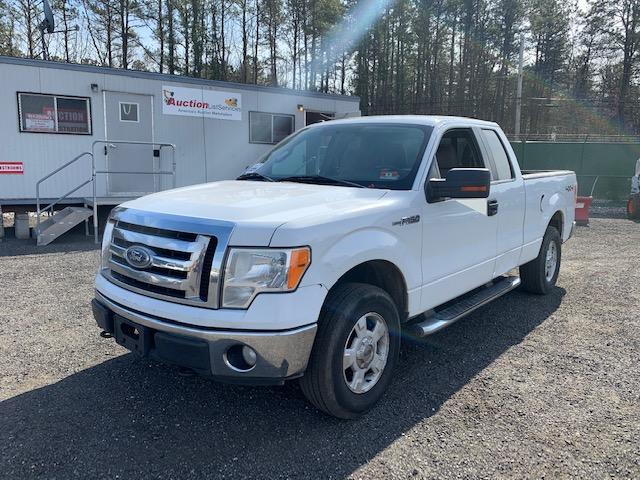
(431, 120)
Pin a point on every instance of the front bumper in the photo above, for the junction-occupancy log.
(280, 355)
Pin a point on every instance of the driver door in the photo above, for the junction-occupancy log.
(459, 239)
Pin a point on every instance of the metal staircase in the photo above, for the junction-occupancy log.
(64, 220)
(61, 222)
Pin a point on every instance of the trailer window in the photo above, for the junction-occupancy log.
(41, 113)
(129, 112)
(269, 127)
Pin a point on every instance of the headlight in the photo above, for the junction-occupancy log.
(106, 241)
(250, 271)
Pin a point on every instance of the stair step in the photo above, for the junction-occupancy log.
(466, 305)
(61, 222)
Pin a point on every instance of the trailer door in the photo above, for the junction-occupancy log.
(128, 117)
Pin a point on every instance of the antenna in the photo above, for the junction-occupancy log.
(46, 25)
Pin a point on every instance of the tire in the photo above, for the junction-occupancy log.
(327, 384)
(534, 275)
(633, 207)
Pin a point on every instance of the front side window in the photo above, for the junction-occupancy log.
(366, 154)
(42, 113)
(457, 149)
(269, 127)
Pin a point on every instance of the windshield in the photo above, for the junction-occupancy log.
(369, 155)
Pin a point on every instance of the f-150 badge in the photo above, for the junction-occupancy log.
(407, 221)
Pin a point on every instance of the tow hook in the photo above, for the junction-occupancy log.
(105, 334)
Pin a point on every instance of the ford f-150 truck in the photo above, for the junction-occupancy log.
(312, 263)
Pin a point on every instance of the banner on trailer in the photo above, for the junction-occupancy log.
(195, 102)
(11, 167)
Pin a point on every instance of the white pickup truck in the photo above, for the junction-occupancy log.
(311, 265)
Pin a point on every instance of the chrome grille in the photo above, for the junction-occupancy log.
(185, 256)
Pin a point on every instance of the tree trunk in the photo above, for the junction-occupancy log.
(160, 34)
(256, 43)
(171, 38)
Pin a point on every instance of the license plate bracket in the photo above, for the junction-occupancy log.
(132, 336)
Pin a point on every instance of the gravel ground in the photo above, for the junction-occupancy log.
(525, 387)
(608, 209)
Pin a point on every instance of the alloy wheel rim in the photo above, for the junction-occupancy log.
(551, 261)
(366, 352)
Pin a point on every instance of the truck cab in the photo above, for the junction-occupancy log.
(313, 264)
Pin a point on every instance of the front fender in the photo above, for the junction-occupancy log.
(342, 254)
(369, 244)
(343, 240)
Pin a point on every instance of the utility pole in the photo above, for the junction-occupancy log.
(519, 91)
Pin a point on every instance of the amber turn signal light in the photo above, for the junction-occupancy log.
(300, 261)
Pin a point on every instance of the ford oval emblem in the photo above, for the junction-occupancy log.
(138, 257)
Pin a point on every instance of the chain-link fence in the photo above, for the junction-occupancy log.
(573, 138)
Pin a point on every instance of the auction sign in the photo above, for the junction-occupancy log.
(195, 102)
(11, 168)
(40, 122)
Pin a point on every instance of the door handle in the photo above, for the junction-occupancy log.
(107, 146)
(492, 208)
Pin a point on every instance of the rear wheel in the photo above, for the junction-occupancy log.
(355, 351)
(540, 275)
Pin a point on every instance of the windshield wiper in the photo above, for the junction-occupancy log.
(255, 176)
(320, 180)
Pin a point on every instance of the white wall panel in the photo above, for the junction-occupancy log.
(206, 149)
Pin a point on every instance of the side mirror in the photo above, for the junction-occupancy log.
(460, 183)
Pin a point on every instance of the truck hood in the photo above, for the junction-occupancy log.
(257, 208)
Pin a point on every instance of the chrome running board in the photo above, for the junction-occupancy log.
(463, 307)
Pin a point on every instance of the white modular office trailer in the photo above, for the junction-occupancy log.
(52, 112)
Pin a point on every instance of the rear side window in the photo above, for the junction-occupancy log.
(500, 157)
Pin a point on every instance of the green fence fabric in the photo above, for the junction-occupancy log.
(611, 163)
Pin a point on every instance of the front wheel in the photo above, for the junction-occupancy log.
(540, 274)
(355, 351)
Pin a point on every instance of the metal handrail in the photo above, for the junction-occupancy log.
(95, 172)
(49, 175)
(51, 205)
(159, 172)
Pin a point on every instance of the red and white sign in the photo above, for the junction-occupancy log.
(40, 122)
(11, 168)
